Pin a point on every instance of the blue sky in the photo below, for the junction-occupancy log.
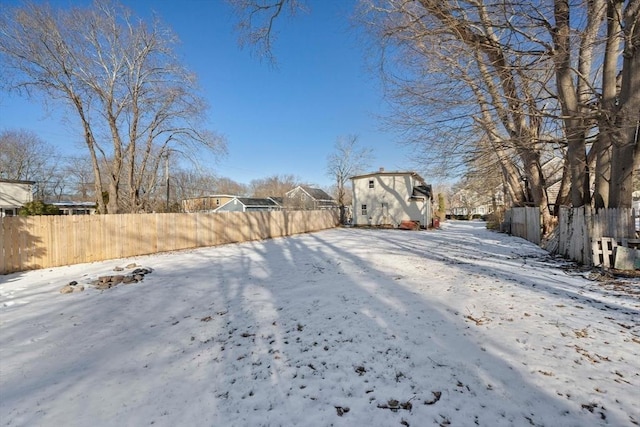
(282, 120)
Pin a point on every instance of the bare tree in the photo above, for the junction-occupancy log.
(273, 186)
(256, 22)
(24, 156)
(625, 138)
(120, 77)
(490, 85)
(229, 186)
(526, 73)
(347, 159)
(80, 178)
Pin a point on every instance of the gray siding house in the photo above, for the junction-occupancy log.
(304, 197)
(248, 204)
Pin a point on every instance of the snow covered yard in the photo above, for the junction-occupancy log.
(345, 327)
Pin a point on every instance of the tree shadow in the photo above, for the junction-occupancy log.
(19, 248)
(260, 333)
(474, 249)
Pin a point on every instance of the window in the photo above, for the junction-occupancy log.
(371, 184)
(364, 209)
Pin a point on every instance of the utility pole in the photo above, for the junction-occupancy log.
(166, 174)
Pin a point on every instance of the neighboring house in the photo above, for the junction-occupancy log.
(552, 171)
(206, 203)
(303, 197)
(278, 200)
(391, 198)
(468, 203)
(14, 195)
(75, 208)
(248, 204)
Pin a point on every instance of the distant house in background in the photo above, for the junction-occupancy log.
(249, 204)
(391, 199)
(278, 200)
(14, 195)
(229, 203)
(304, 197)
(469, 203)
(206, 203)
(75, 208)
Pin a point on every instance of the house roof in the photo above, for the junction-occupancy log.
(314, 193)
(278, 200)
(212, 196)
(415, 175)
(16, 181)
(69, 204)
(422, 191)
(254, 202)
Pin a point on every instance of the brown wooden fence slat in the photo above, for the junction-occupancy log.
(50, 241)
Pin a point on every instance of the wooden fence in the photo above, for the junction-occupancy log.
(579, 228)
(28, 243)
(524, 222)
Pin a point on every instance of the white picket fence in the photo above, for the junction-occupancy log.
(579, 230)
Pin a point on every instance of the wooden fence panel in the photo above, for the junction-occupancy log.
(581, 228)
(28, 243)
(525, 223)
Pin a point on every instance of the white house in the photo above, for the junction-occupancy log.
(75, 208)
(391, 198)
(14, 195)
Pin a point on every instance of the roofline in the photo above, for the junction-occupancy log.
(211, 196)
(17, 181)
(70, 203)
(415, 174)
(257, 198)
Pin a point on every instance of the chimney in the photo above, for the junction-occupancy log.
(381, 169)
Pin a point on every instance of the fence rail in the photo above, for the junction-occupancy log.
(28, 243)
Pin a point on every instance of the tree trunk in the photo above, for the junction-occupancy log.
(569, 101)
(564, 196)
(625, 138)
(535, 179)
(602, 147)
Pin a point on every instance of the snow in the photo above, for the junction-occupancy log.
(345, 327)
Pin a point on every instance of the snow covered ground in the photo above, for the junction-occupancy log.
(346, 327)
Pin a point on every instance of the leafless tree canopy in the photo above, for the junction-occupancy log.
(24, 156)
(511, 82)
(257, 21)
(133, 100)
(273, 186)
(347, 159)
